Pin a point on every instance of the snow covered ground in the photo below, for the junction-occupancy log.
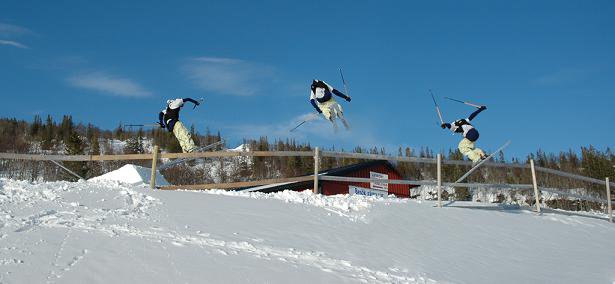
(110, 231)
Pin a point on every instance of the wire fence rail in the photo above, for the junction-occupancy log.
(317, 155)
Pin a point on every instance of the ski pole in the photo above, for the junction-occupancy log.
(141, 125)
(344, 81)
(437, 107)
(460, 101)
(298, 125)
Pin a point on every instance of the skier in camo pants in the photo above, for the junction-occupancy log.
(322, 100)
(169, 119)
(470, 135)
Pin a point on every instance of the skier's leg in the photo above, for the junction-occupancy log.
(333, 115)
(480, 153)
(466, 147)
(334, 122)
(183, 136)
(340, 113)
(326, 110)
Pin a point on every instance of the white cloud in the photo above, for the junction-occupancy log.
(564, 76)
(319, 131)
(108, 84)
(219, 60)
(12, 30)
(13, 43)
(228, 76)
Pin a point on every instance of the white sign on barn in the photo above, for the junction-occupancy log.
(367, 191)
(379, 185)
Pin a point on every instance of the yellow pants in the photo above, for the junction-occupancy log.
(183, 136)
(331, 109)
(466, 147)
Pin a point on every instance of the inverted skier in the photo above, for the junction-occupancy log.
(322, 100)
(470, 136)
(169, 119)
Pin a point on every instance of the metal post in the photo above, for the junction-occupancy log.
(152, 181)
(316, 169)
(439, 180)
(608, 200)
(536, 193)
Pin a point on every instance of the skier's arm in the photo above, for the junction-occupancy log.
(454, 127)
(341, 95)
(161, 120)
(474, 114)
(313, 102)
(192, 101)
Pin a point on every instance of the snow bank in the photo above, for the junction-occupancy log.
(131, 174)
(101, 232)
(340, 204)
(241, 148)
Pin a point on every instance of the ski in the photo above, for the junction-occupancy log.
(183, 160)
(482, 162)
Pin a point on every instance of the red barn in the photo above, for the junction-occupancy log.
(373, 169)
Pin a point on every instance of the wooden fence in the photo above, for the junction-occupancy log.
(317, 154)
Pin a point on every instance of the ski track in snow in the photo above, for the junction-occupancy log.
(137, 205)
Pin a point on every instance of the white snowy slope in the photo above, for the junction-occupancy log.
(114, 232)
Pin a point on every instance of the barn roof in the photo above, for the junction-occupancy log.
(341, 171)
(355, 167)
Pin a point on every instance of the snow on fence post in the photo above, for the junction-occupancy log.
(316, 166)
(608, 200)
(439, 169)
(152, 180)
(536, 193)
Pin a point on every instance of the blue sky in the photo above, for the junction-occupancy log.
(545, 69)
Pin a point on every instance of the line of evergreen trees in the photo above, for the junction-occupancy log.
(67, 137)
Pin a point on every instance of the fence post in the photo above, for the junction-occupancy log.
(316, 169)
(152, 180)
(439, 167)
(608, 200)
(536, 192)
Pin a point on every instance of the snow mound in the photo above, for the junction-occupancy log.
(131, 174)
(341, 204)
(241, 148)
(83, 232)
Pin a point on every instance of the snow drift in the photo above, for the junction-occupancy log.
(101, 232)
(131, 174)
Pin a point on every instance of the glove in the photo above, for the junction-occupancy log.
(196, 103)
(348, 99)
(445, 125)
(482, 107)
(161, 125)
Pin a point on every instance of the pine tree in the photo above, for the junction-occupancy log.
(134, 145)
(36, 127)
(66, 128)
(75, 146)
(48, 134)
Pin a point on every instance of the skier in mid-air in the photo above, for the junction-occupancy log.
(169, 119)
(470, 135)
(322, 100)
